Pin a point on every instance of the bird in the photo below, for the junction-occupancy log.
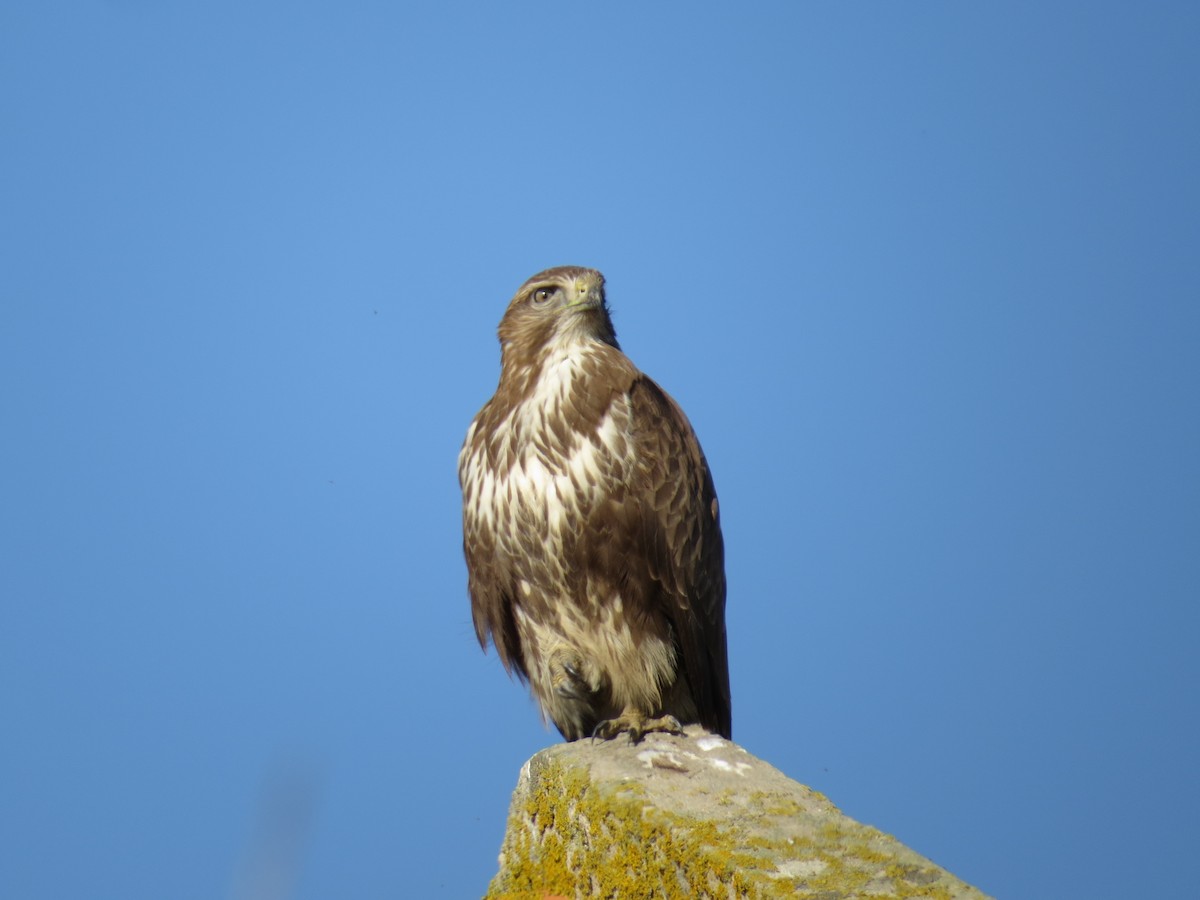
(591, 528)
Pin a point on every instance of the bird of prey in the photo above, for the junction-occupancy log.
(590, 526)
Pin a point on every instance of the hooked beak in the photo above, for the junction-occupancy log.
(588, 291)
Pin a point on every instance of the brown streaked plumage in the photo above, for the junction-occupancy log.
(590, 526)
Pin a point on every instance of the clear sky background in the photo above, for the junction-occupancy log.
(923, 275)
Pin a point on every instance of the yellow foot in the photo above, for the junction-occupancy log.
(636, 726)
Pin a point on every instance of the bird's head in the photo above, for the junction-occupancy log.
(558, 306)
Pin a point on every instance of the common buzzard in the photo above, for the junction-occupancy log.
(590, 526)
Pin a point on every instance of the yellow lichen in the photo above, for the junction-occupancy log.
(570, 839)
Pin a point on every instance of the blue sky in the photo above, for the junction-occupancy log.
(924, 277)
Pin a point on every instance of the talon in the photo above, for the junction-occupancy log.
(636, 725)
(566, 676)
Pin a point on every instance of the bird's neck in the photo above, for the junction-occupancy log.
(557, 365)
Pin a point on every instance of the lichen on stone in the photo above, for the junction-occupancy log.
(592, 821)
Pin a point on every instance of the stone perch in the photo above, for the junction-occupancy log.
(691, 817)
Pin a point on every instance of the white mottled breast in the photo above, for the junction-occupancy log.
(541, 481)
(532, 499)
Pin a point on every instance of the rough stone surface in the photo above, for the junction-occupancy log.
(693, 816)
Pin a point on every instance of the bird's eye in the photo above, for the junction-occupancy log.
(542, 296)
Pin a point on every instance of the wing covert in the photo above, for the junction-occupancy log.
(683, 544)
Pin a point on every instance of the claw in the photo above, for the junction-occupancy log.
(566, 676)
(636, 725)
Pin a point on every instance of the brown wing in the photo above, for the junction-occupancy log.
(684, 549)
(490, 587)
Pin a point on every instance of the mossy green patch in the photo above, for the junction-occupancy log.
(568, 837)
